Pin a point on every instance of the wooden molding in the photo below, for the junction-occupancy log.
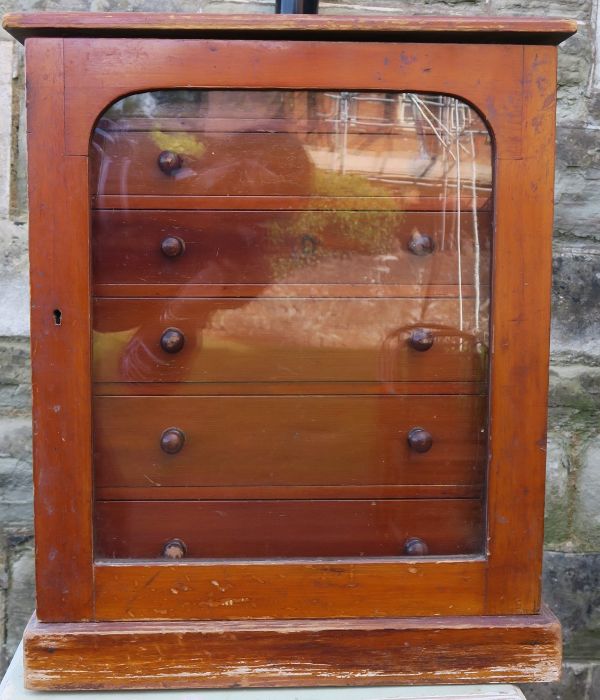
(531, 30)
(138, 655)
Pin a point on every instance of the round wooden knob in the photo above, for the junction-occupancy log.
(171, 441)
(420, 339)
(169, 162)
(172, 340)
(415, 547)
(420, 440)
(420, 244)
(174, 549)
(172, 246)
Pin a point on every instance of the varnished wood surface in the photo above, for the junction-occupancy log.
(274, 248)
(270, 339)
(60, 354)
(502, 29)
(289, 589)
(521, 350)
(488, 79)
(513, 88)
(266, 529)
(282, 493)
(288, 441)
(317, 652)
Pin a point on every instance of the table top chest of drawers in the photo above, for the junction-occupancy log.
(290, 285)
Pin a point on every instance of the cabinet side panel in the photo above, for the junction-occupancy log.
(520, 348)
(60, 345)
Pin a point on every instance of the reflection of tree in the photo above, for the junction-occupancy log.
(316, 235)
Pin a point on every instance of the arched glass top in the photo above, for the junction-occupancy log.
(291, 320)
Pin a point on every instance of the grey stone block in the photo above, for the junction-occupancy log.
(586, 522)
(575, 302)
(575, 9)
(20, 598)
(559, 504)
(572, 590)
(573, 424)
(16, 491)
(187, 6)
(575, 684)
(15, 369)
(577, 182)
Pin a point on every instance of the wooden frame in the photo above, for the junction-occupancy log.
(71, 80)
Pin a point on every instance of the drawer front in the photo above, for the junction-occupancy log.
(264, 340)
(282, 164)
(254, 529)
(266, 248)
(286, 441)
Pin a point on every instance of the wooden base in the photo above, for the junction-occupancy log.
(143, 655)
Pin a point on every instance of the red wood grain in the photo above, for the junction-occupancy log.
(274, 653)
(488, 79)
(288, 441)
(288, 590)
(272, 529)
(60, 354)
(475, 29)
(520, 350)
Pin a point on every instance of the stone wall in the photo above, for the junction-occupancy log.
(572, 562)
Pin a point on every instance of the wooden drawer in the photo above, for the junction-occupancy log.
(288, 441)
(271, 339)
(283, 164)
(280, 248)
(330, 528)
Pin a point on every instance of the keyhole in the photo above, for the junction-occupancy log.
(57, 313)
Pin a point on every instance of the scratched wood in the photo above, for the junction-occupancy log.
(503, 69)
(60, 354)
(474, 29)
(285, 653)
(95, 77)
(300, 589)
(521, 350)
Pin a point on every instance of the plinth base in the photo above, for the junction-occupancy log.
(404, 651)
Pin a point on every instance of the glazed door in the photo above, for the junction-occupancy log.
(292, 301)
(290, 328)
(294, 365)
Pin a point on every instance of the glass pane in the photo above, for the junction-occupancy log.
(291, 320)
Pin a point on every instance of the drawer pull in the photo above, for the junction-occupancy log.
(420, 339)
(415, 547)
(420, 244)
(172, 340)
(420, 440)
(172, 247)
(172, 440)
(169, 162)
(174, 549)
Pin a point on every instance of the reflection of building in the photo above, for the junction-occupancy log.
(429, 141)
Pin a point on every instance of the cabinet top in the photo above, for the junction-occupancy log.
(507, 30)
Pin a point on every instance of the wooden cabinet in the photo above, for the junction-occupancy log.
(290, 309)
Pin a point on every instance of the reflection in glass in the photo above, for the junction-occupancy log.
(294, 281)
